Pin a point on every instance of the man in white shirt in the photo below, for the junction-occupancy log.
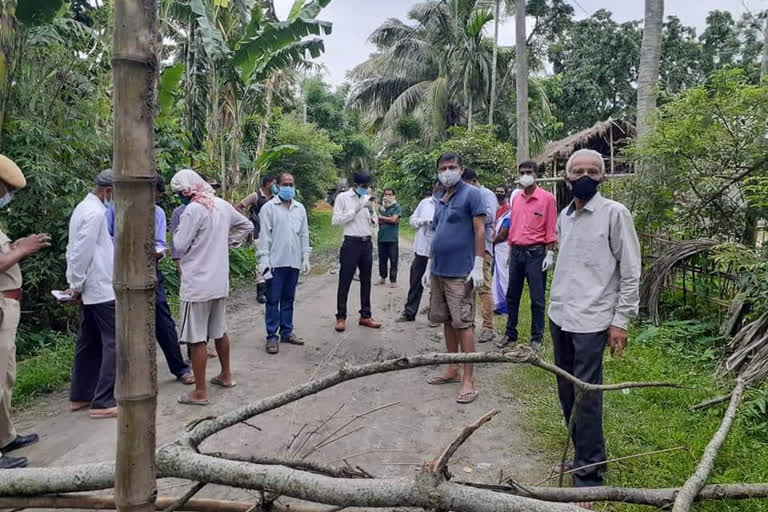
(354, 211)
(208, 227)
(283, 251)
(421, 221)
(90, 254)
(595, 294)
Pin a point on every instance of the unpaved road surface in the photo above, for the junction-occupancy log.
(393, 441)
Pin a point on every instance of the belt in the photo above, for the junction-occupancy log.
(529, 247)
(12, 294)
(358, 238)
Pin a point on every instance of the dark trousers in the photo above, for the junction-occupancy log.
(388, 252)
(415, 289)
(93, 373)
(581, 355)
(525, 264)
(355, 254)
(281, 291)
(165, 332)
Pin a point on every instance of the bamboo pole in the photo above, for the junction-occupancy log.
(521, 52)
(135, 73)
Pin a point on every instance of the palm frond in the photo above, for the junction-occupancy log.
(407, 102)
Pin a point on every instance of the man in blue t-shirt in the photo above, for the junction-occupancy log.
(456, 267)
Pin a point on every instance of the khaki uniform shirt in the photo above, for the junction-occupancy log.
(11, 278)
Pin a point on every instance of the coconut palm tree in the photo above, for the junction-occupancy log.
(650, 56)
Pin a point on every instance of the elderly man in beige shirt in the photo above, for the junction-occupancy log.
(595, 294)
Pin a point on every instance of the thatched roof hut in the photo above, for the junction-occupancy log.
(608, 137)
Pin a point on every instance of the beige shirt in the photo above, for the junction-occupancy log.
(11, 278)
(597, 276)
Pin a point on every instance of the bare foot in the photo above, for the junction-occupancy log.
(194, 398)
(224, 381)
(79, 406)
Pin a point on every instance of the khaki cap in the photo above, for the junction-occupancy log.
(11, 174)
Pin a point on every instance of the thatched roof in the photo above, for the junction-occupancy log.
(596, 137)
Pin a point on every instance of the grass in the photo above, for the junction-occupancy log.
(45, 371)
(324, 236)
(646, 420)
(406, 231)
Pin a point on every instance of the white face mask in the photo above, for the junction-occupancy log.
(526, 180)
(449, 178)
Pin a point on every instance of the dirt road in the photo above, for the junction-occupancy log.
(393, 441)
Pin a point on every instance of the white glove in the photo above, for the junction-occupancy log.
(549, 260)
(365, 200)
(426, 279)
(305, 266)
(476, 276)
(263, 266)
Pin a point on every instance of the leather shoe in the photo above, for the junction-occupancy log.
(20, 442)
(369, 322)
(341, 324)
(13, 462)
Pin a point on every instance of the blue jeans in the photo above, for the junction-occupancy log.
(281, 290)
(525, 265)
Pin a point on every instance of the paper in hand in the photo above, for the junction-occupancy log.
(61, 296)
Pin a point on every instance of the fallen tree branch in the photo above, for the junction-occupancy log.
(321, 425)
(176, 505)
(575, 410)
(660, 498)
(304, 465)
(711, 402)
(688, 492)
(440, 464)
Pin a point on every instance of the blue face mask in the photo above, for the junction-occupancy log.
(6, 199)
(274, 190)
(362, 191)
(286, 193)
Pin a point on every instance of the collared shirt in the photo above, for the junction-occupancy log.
(533, 219)
(161, 224)
(453, 247)
(347, 212)
(390, 232)
(597, 276)
(203, 238)
(491, 205)
(175, 219)
(11, 278)
(422, 243)
(90, 252)
(284, 236)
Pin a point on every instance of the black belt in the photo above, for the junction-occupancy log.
(358, 238)
(529, 247)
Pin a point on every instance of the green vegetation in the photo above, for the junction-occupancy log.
(47, 370)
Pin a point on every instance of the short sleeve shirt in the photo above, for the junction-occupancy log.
(453, 247)
(389, 232)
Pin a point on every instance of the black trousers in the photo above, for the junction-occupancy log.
(388, 252)
(525, 264)
(581, 355)
(93, 373)
(415, 289)
(355, 254)
(165, 331)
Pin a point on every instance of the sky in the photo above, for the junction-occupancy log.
(354, 20)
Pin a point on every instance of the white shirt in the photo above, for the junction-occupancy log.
(425, 211)
(597, 276)
(491, 205)
(203, 239)
(90, 252)
(347, 212)
(284, 236)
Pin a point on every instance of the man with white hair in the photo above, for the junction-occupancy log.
(595, 294)
(207, 228)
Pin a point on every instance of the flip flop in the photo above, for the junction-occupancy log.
(440, 380)
(188, 401)
(466, 398)
(218, 382)
(187, 379)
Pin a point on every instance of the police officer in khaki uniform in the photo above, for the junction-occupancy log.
(12, 180)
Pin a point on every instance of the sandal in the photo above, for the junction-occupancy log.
(292, 339)
(466, 398)
(440, 380)
(216, 381)
(185, 400)
(187, 379)
(273, 347)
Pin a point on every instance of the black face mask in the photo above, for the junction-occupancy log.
(501, 197)
(584, 188)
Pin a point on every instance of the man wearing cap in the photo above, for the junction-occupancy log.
(90, 255)
(12, 180)
(165, 328)
(354, 211)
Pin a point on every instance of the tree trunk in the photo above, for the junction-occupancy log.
(264, 128)
(470, 114)
(135, 73)
(650, 56)
(496, 20)
(521, 53)
(7, 46)
(764, 64)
